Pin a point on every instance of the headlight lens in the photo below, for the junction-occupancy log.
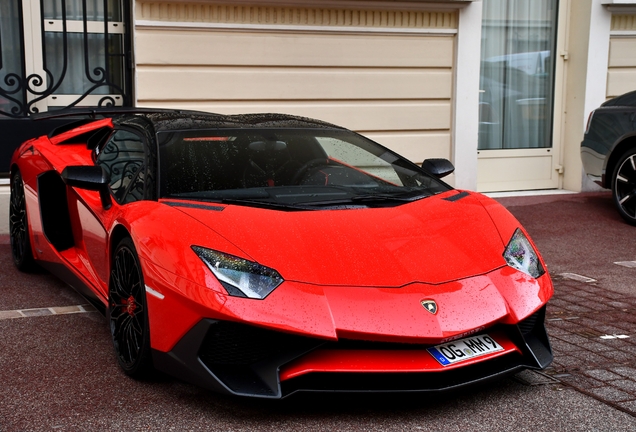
(240, 277)
(520, 255)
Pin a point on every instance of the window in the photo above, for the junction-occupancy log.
(286, 166)
(62, 53)
(11, 63)
(517, 74)
(123, 159)
(361, 158)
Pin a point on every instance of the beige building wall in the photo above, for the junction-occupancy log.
(621, 73)
(388, 74)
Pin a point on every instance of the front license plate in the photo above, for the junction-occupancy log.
(464, 349)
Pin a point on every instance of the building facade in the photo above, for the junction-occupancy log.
(502, 88)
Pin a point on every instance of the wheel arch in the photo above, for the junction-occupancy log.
(119, 232)
(619, 149)
(26, 261)
(12, 169)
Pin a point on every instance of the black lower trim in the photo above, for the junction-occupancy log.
(244, 360)
(233, 358)
(532, 338)
(62, 272)
(423, 382)
(182, 361)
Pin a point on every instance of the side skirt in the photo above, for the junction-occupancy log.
(76, 283)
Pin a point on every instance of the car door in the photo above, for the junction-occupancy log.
(123, 158)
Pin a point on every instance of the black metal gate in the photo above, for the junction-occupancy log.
(61, 54)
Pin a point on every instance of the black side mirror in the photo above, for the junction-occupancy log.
(438, 167)
(93, 178)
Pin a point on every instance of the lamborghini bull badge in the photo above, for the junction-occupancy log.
(430, 306)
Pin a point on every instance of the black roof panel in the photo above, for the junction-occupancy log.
(180, 120)
(172, 119)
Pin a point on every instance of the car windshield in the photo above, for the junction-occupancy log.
(290, 168)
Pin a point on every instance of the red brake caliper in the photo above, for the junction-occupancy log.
(129, 305)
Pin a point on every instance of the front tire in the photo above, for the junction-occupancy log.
(128, 313)
(19, 226)
(624, 186)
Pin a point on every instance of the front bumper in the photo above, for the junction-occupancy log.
(245, 360)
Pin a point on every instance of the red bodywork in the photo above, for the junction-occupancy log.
(355, 274)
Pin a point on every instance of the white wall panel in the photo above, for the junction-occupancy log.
(361, 116)
(280, 49)
(621, 73)
(622, 52)
(520, 169)
(396, 87)
(231, 83)
(620, 80)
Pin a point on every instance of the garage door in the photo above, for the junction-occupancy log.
(385, 73)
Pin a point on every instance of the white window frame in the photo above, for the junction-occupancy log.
(33, 22)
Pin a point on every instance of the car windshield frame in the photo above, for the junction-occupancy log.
(287, 168)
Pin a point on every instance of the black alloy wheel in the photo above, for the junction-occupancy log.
(624, 186)
(19, 226)
(127, 311)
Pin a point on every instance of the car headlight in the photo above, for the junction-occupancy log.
(520, 255)
(240, 277)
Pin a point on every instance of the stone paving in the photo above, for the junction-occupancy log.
(593, 335)
(591, 384)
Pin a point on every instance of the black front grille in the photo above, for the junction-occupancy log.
(534, 338)
(230, 343)
(351, 344)
(527, 325)
(246, 359)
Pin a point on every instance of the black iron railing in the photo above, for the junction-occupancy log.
(21, 92)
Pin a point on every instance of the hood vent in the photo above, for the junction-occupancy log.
(456, 197)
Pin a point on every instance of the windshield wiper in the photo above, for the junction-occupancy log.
(262, 204)
(389, 197)
(368, 199)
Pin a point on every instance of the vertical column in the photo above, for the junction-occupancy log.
(465, 127)
(597, 58)
(33, 54)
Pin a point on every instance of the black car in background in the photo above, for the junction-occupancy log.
(608, 151)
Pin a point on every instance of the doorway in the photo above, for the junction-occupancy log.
(517, 94)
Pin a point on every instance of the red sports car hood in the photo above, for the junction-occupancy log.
(433, 240)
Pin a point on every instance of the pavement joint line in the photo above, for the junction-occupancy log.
(561, 318)
(600, 399)
(46, 311)
(628, 264)
(577, 277)
(574, 370)
(547, 379)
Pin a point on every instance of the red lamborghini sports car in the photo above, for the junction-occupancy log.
(261, 255)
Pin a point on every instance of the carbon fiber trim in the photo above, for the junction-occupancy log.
(244, 360)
